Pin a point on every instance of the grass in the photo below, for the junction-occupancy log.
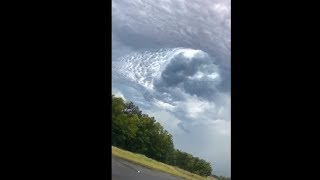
(152, 164)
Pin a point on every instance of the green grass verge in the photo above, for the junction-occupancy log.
(152, 164)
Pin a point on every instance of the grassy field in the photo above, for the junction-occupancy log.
(150, 163)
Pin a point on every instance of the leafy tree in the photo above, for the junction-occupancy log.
(130, 108)
(137, 132)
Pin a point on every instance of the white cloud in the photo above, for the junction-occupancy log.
(195, 107)
(221, 8)
(213, 76)
(166, 119)
(163, 105)
(118, 93)
(198, 75)
(190, 53)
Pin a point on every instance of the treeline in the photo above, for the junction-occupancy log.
(221, 177)
(137, 132)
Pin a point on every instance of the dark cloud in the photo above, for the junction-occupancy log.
(196, 76)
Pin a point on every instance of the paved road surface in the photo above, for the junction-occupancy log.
(124, 170)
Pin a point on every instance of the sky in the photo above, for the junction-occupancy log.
(172, 59)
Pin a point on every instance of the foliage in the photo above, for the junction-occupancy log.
(221, 177)
(137, 132)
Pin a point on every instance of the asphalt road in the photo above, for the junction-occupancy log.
(124, 170)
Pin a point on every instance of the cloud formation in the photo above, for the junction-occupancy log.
(193, 72)
(154, 24)
(172, 59)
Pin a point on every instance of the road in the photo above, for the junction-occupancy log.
(124, 170)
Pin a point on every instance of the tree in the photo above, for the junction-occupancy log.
(130, 108)
(137, 132)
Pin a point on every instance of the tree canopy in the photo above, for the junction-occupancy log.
(137, 132)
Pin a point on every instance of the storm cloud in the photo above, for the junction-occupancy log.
(195, 74)
(172, 59)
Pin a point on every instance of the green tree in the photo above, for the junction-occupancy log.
(137, 132)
